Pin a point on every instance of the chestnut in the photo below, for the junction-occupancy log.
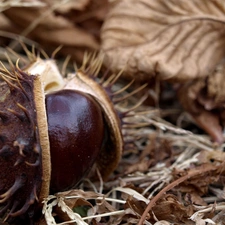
(77, 134)
(48, 143)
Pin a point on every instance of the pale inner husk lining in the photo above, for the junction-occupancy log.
(44, 139)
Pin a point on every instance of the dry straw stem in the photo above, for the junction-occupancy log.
(198, 216)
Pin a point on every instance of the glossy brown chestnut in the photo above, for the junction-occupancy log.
(76, 134)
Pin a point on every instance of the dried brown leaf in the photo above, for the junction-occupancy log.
(210, 123)
(174, 39)
(66, 6)
(71, 203)
(140, 166)
(49, 28)
(212, 95)
(79, 193)
(198, 185)
(167, 208)
(204, 99)
(211, 156)
(194, 198)
(171, 209)
(72, 24)
(20, 3)
(136, 206)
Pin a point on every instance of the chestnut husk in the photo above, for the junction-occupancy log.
(25, 143)
(23, 180)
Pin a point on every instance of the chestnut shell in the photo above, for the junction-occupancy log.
(20, 149)
(24, 141)
(77, 135)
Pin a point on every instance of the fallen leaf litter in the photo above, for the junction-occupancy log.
(175, 174)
